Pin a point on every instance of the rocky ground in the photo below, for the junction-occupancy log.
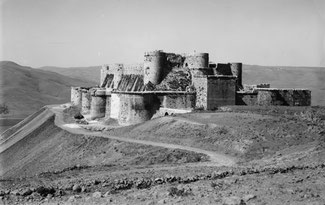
(279, 154)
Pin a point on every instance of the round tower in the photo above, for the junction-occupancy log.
(76, 96)
(197, 60)
(153, 66)
(118, 72)
(236, 69)
(103, 73)
(108, 104)
(98, 104)
(85, 102)
(135, 108)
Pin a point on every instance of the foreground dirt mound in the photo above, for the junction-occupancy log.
(248, 135)
(48, 149)
(282, 154)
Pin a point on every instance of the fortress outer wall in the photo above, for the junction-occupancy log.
(287, 97)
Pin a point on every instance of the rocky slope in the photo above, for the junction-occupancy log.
(280, 152)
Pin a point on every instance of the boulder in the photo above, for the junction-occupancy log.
(233, 200)
(97, 194)
(26, 192)
(76, 188)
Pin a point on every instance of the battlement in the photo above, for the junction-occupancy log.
(154, 53)
(156, 92)
(253, 88)
(282, 89)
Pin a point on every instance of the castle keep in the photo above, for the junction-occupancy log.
(167, 83)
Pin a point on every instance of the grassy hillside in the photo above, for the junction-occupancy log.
(91, 74)
(24, 90)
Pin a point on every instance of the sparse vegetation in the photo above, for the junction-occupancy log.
(222, 130)
(312, 115)
(4, 109)
(280, 153)
(179, 191)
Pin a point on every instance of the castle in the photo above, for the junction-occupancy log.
(167, 83)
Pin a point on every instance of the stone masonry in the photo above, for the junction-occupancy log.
(169, 83)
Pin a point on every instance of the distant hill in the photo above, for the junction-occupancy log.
(312, 78)
(91, 74)
(25, 90)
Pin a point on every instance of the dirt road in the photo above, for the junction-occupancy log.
(216, 159)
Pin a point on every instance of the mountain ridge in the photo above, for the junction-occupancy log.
(24, 89)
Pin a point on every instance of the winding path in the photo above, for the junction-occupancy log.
(216, 159)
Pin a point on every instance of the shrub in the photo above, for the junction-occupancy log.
(223, 130)
(312, 115)
(179, 191)
(4, 109)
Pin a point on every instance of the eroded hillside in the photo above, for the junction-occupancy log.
(279, 155)
(25, 90)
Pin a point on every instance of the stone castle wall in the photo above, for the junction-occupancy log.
(201, 86)
(287, 97)
(136, 108)
(133, 93)
(120, 69)
(98, 104)
(221, 91)
(76, 96)
(252, 88)
(86, 101)
(214, 91)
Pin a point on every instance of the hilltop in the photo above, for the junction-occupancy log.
(25, 90)
(91, 74)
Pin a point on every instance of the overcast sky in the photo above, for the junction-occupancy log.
(93, 32)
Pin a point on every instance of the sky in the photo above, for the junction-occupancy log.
(69, 33)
